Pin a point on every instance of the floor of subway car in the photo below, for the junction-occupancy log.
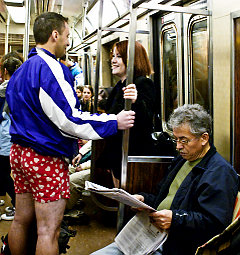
(100, 231)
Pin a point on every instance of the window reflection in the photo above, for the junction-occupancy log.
(199, 59)
(169, 60)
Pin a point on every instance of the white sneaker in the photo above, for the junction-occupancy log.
(2, 202)
(8, 216)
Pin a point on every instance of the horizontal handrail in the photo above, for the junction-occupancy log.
(150, 159)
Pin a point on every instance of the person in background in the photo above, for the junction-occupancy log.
(14, 54)
(87, 99)
(78, 175)
(9, 65)
(79, 91)
(75, 69)
(195, 200)
(140, 140)
(102, 99)
(45, 122)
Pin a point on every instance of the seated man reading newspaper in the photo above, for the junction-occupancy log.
(196, 198)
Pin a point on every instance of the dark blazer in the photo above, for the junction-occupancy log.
(203, 205)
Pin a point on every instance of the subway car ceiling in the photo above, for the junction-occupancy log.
(83, 17)
(82, 14)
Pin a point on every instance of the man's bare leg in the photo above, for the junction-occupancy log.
(24, 216)
(49, 217)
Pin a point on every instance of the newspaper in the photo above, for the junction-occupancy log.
(117, 194)
(140, 236)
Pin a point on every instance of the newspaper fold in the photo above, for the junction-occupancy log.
(139, 236)
(117, 194)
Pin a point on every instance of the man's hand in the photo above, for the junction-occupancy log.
(130, 92)
(138, 197)
(77, 159)
(70, 63)
(78, 168)
(161, 219)
(125, 119)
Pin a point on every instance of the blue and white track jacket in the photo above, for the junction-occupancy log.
(45, 110)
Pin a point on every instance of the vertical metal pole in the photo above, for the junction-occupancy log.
(97, 71)
(99, 37)
(130, 75)
(180, 43)
(27, 28)
(85, 75)
(85, 6)
(210, 57)
(7, 33)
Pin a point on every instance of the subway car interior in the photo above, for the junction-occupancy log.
(193, 47)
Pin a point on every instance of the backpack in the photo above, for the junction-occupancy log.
(64, 237)
(65, 234)
(5, 248)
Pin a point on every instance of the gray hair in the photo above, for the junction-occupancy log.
(195, 116)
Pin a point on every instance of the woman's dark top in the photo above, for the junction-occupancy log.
(87, 106)
(140, 140)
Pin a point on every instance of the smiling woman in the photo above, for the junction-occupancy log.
(118, 67)
(141, 142)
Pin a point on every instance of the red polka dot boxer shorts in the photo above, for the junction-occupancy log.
(45, 177)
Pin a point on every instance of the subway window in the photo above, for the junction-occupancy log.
(199, 91)
(169, 70)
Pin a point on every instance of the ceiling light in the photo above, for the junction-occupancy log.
(17, 13)
(16, 3)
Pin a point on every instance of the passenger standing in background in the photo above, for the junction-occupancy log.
(140, 142)
(8, 67)
(45, 122)
(87, 99)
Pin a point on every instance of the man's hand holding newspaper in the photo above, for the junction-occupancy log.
(139, 236)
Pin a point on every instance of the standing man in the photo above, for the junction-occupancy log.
(195, 200)
(45, 123)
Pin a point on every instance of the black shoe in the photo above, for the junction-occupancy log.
(80, 204)
(76, 217)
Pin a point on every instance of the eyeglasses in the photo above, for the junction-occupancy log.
(183, 140)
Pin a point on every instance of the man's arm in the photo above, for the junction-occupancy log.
(58, 100)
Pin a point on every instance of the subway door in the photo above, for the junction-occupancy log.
(196, 55)
(236, 97)
(168, 73)
(170, 39)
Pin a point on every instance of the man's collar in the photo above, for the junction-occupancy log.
(47, 52)
(180, 160)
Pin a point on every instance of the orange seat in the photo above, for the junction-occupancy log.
(236, 212)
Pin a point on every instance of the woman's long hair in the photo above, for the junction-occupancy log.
(142, 65)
